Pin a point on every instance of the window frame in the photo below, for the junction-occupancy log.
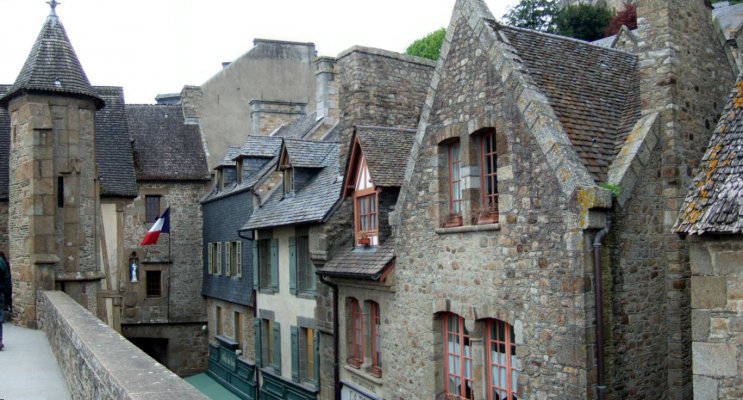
(305, 267)
(264, 264)
(370, 213)
(151, 208)
(455, 202)
(150, 287)
(488, 158)
(268, 344)
(461, 358)
(492, 339)
(356, 356)
(307, 355)
(375, 325)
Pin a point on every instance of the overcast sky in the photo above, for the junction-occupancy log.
(157, 46)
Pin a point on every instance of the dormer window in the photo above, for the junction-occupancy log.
(288, 181)
(220, 179)
(239, 177)
(365, 206)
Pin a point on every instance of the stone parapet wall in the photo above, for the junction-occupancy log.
(98, 362)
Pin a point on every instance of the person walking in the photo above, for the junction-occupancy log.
(5, 292)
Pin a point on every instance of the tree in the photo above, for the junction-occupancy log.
(428, 46)
(538, 15)
(583, 21)
(627, 17)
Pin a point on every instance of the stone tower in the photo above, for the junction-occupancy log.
(53, 201)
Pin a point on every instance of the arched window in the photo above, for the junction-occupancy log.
(501, 360)
(457, 357)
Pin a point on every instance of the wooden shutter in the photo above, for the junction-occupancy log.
(316, 337)
(228, 259)
(277, 347)
(219, 258)
(295, 354)
(293, 265)
(209, 266)
(255, 265)
(239, 259)
(257, 336)
(275, 264)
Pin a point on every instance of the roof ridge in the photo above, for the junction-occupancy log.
(564, 38)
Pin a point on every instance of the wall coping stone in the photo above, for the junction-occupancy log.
(100, 363)
(386, 53)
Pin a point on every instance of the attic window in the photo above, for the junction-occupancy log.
(288, 181)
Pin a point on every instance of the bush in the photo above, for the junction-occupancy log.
(583, 21)
(627, 17)
(428, 46)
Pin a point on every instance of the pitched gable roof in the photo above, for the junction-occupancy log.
(594, 91)
(386, 150)
(165, 148)
(113, 145)
(52, 67)
(230, 155)
(307, 153)
(260, 146)
(714, 203)
(360, 262)
(298, 129)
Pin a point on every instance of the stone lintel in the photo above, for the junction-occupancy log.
(80, 276)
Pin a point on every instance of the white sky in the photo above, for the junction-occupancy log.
(157, 46)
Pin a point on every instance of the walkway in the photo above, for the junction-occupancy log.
(28, 369)
(210, 387)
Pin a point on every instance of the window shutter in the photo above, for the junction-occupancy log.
(293, 265)
(257, 336)
(295, 354)
(228, 259)
(317, 357)
(275, 264)
(277, 347)
(219, 258)
(239, 259)
(255, 265)
(209, 265)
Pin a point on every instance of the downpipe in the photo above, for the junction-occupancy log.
(597, 268)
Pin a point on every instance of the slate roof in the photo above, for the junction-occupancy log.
(4, 147)
(311, 203)
(113, 145)
(730, 19)
(260, 146)
(360, 262)
(386, 151)
(594, 91)
(165, 148)
(230, 155)
(307, 153)
(299, 129)
(52, 67)
(714, 203)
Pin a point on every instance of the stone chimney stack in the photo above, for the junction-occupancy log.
(267, 115)
(326, 89)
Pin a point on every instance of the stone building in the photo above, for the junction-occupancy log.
(534, 129)
(712, 216)
(85, 176)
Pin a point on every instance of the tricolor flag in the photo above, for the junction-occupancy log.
(162, 225)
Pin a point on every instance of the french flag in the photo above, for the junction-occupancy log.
(162, 225)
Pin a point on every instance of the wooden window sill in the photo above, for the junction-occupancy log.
(468, 228)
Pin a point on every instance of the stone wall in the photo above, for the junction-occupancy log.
(717, 317)
(98, 362)
(227, 328)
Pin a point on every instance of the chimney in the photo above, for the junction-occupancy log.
(268, 115)
(326, 90)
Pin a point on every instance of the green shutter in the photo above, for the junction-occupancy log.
(257, 336)
(239, 259)
(293, 265)
(255, 265)
(277, 347)
(317, 357)
(209, 265)
(295, 354)
(275, 264)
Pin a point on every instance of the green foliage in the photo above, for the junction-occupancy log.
(583, 21)
(538, 15)
(428, 46)
(612, 187)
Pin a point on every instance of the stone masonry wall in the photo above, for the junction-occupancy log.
(685, 76)
(227, 327)
(527, 271)
(717, 317)
(187, 349)
(98, 362)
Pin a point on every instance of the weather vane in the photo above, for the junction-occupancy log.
(53, 4)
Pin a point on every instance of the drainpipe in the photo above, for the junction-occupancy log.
(336, 339)
(600, 365)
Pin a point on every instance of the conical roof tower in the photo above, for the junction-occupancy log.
(52, 67)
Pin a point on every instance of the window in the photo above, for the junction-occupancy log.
(234, 259)
(302, 270)
(489, 184)
(356, 355)
(60, 191)
(154, 288)
(268, 338)
(265, 264)
(375, 330)
(307, 354)
(214, 260)
(455, 179)
(366, 211)
(501, 359)
(457, 358)
(152, 208)
(288, 181)
(238, 329)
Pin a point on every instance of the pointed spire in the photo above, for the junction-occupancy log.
(52, 67)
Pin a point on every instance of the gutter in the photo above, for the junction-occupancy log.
(336, 339)
(597, 268)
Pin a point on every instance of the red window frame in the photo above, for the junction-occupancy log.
(374, 332)
(458, 364)
(500, 341)
(455, 180)
(489, 175)
(356, 358)
(366, 216)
